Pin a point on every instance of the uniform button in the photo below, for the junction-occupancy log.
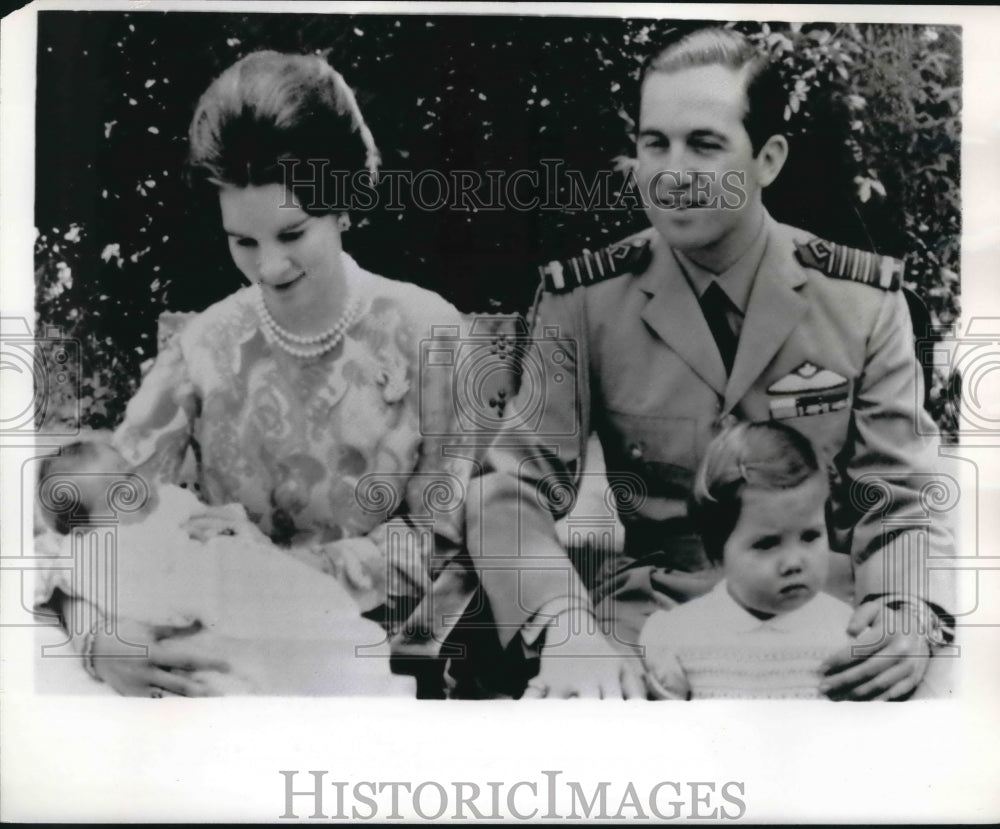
(635, 451)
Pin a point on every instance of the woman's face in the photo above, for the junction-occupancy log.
(274, 242)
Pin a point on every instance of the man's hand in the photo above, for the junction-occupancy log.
(583, 664)
(664, 676)
(877, 664)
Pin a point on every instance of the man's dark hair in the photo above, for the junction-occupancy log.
(766, 96)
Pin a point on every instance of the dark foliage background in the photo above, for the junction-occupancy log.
(873, 117)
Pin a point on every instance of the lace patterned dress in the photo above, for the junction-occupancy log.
(360, 451)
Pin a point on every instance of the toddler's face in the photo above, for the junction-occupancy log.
(777, 557)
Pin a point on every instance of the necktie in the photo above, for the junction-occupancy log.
(714, 304)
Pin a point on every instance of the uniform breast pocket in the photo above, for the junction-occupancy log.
(661, 450)
(827, 431)
(816, 402)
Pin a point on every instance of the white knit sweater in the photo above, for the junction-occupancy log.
(710, 647)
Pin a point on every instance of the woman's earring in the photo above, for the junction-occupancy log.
(343, 222)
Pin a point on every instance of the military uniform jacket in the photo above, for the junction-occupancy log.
(632, 358)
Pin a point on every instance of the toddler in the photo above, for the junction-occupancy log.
(759, 501)
(212, 573)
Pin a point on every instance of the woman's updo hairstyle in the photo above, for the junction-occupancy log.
(269, 108)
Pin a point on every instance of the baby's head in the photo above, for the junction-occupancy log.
(759, 502)
(92, 467)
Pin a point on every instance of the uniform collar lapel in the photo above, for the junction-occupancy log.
(775, 308)
(673, 313)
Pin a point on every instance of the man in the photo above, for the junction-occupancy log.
(717, 313)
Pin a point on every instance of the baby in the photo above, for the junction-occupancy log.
(210, 572)
(759, 503)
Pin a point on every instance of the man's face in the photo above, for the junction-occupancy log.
(696, 169)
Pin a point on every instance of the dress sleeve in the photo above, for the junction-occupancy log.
(156, 432)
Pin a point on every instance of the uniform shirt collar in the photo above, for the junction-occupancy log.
(737, 280)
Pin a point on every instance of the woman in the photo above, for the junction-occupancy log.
(302, 395)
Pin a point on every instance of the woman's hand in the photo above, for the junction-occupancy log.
(877, 664)
(157, 672)
(584, 664)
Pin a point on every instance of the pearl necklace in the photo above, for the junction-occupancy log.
(298, 345)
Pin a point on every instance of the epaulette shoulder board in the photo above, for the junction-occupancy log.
(631, 255)
(842, 262)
